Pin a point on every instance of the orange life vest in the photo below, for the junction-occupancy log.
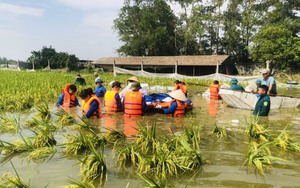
(133, 104)
(110, 103)
(182, 87)
(86, 106)
(214, 89)
(69, 100)
(179, 112)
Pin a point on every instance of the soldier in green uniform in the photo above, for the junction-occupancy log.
(263, 104)
(234, 86)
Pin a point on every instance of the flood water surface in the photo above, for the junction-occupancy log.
(225, 156)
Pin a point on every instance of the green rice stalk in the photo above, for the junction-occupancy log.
(218, 132)
(284, 141)
(43, 110)
(40, 154)
(93, 167)
(154, 181)
(65, 119)
(43, 138)
(193, 135)
(116, 137)
(11, 125)
(126, 156)
(257, 131)
(146, 137)
(10, 180)
(77, 184)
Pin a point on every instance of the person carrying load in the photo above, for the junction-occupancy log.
(176, 107)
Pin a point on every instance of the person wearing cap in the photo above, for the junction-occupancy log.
(68, 97)
(134, 102)
(176, 107)
(262, 107)
(91, 105)
(269, 81)
(100, 89)
(96, 76)
(234, 86)
(112, 100)
(253, 88)
(214, 90)
(79, 80)
(180, 85)
(131, 79)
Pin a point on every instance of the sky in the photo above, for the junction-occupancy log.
(80, 27)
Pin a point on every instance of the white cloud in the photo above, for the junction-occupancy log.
(93, 4)
(20, 10)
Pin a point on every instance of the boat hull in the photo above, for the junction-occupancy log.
(246, 100)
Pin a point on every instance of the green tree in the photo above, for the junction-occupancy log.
(278, 45)
(146, 28)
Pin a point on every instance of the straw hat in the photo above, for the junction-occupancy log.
(265, 71)
(132, 79)
(178, 94)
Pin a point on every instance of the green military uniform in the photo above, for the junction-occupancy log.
(262, 106)
(236, 87)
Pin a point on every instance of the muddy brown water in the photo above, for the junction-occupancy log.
(225, 156)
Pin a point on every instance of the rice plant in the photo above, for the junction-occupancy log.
(10, 180)
(115, 137)
(193, 135)
(126, 155)
(218, 132)
(43, 110)
(155, 182)
(10, 124)
(257, 131)
(284, 141)
(146, 138)
(93, 166)
(259, 157)
(78, 144)
(40, 154)
(43, 138)
(65, 119)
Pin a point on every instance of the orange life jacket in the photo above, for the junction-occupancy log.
(179, 112)
(110, 103)
(133, 104)
(69, 100)
(214, 89)
(182, 87)
(86, 106)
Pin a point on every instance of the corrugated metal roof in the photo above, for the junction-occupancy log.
(203, 60)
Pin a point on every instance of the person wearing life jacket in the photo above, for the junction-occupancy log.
(112, 100)
(134, 103)
(91, 105)
(214, 90)
(68, 97)
(180, 85)
(176, 107)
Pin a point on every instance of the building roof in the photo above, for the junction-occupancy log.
(203, 60)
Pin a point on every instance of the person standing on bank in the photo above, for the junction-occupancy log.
(269, 81)
(234, 86)
(262, 107)
(112, 100)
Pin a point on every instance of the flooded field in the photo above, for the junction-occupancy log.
(225, 156)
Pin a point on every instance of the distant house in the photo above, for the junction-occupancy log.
(185, 65)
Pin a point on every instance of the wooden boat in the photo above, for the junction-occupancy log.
(246, 100)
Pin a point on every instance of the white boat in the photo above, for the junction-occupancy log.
(246, 100)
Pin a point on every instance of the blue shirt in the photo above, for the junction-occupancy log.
(100, 91)
(270, 80)
(236, 87)
(171, 109)
(61, 100)
(93, 108)
(119, 103)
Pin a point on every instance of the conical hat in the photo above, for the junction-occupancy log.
(134, 79)
(178, 94)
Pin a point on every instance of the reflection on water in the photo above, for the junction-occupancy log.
(226, 156)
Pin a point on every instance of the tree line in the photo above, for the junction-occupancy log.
(250, 31)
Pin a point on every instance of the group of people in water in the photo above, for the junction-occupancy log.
(132, 103)
(264, 88)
